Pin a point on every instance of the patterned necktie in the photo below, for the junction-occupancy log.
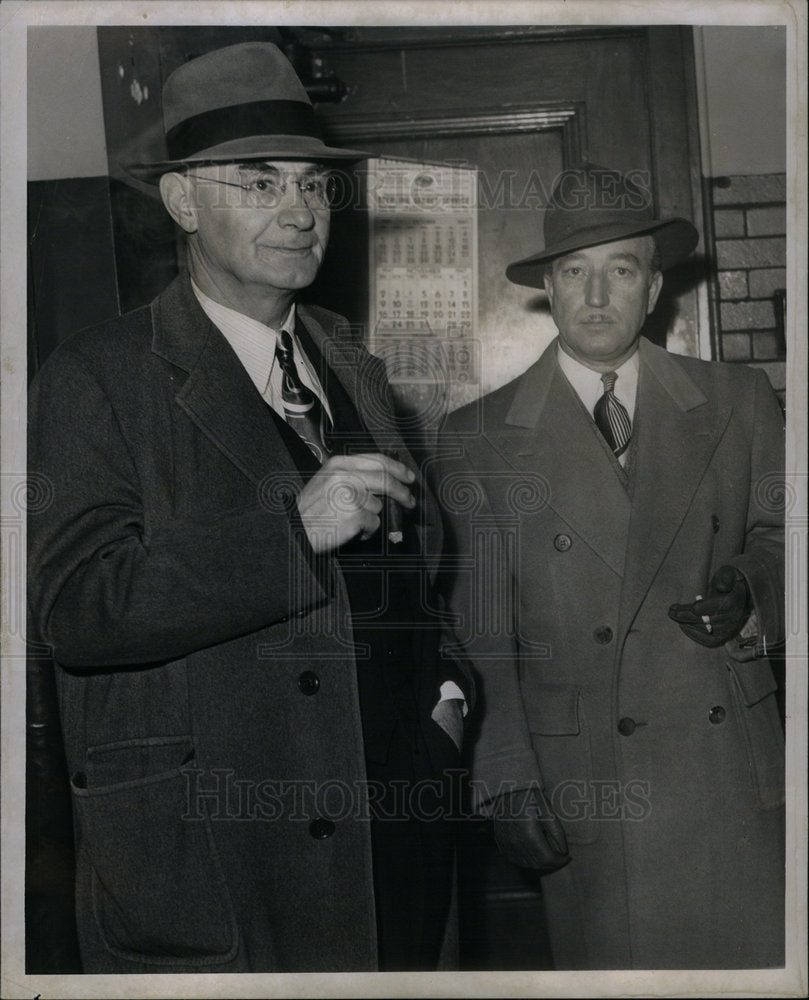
(611, 417)
(302, 409)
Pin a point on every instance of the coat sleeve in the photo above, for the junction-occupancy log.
(478, 589)
(108, 589)
(762, 561)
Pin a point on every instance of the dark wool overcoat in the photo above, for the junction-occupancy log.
(663, 758)
(206, 675)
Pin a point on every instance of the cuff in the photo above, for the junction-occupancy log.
(449, 691)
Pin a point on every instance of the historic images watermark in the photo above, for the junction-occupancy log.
(23, 496)
(341, 189)
(220, 794)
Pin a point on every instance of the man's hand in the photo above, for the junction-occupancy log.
(528, 833)
(720, 616)
(342, 500)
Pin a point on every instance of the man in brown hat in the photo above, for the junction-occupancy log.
(235, 577)
(630, 746)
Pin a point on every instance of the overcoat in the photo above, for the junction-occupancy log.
(206, 675)
(663, 758)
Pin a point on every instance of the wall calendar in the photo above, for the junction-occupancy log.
(423, 278)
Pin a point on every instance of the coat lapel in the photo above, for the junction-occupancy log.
(678, 432)
(362, 376)
(218, 394)
(549, 434)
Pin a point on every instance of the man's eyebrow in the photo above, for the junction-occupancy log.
(261, 166)
(264, 167)
(614, 256)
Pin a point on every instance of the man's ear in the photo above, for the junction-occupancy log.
(655, 284)
(548, 283)
(177, 193)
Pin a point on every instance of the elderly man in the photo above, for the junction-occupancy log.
(247, 665)
(630, 747)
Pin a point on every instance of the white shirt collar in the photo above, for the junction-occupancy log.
(588, 385)
(253, 342)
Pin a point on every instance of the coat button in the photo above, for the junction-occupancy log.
(562, 543)
(309, 682)
(321, 828)
(716, 715)
(626, 726)
(714, 523)
(603, 635)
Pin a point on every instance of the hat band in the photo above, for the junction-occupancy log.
(210, 128)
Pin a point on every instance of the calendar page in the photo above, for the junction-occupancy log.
(423, 280)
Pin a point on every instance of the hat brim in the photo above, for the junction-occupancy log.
(675, 239)
(257, 147)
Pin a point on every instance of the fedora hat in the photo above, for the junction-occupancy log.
(241, 102)
(592, 205)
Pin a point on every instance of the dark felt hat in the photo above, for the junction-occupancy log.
(591, 205)
(241, 102)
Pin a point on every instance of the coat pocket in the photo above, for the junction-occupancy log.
(158, 890)
(754, 688)
(561, 742)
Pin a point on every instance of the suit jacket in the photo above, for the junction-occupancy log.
(205, 666)
(664, 759)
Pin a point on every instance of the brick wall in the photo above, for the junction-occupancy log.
(749, 218)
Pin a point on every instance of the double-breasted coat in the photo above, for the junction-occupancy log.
(663, 758)
(206, 675)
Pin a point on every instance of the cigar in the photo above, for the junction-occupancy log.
(395, 522)
(393, 513)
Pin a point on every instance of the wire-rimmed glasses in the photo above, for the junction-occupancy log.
(267, 189)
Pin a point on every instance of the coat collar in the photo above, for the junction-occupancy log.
(218, 394)
(532, 388)
(678, 431)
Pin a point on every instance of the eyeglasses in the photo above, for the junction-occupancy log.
(267, 190)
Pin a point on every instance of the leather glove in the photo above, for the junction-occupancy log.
(528, 833)
(726, 607)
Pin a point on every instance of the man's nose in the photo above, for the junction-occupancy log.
(293, 210)
(596, 291)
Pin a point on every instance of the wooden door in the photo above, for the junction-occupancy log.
(521, 106)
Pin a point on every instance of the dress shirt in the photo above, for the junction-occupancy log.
(255, 343)
(589, 388)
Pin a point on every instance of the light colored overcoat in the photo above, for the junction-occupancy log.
(663, 758)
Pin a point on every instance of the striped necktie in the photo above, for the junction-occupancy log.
(302, 409)
(611, 417)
